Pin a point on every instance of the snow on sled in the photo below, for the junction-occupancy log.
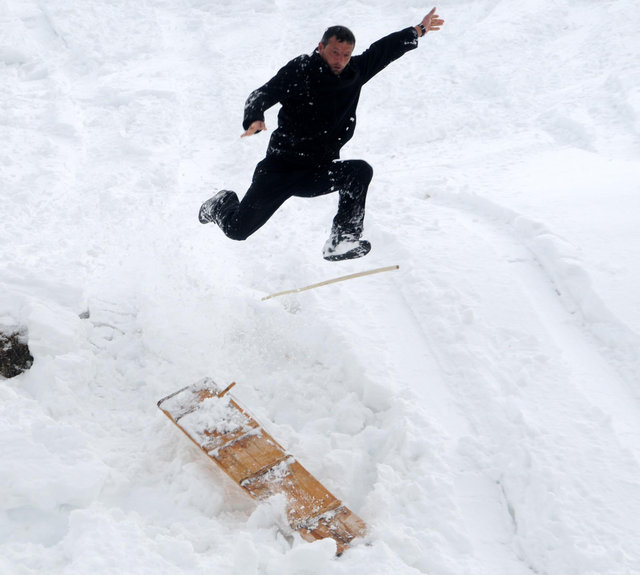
(239, 445)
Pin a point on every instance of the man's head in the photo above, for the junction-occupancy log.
(336, 47)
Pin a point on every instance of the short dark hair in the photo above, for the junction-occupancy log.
(342, 34)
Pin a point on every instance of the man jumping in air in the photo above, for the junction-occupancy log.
(318, 96)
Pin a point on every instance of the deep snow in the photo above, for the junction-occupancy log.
(479, 408)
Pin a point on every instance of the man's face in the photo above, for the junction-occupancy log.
(336, 54)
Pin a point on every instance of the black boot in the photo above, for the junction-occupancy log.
(341, 246)
(212, 210)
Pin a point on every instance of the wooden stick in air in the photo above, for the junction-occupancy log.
(332, 281)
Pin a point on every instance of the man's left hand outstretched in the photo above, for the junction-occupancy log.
(429, 23)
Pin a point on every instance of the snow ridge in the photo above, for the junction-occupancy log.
(560, 261)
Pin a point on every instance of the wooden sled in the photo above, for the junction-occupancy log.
(258, 463)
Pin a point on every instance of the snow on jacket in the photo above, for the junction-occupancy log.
(318, 113)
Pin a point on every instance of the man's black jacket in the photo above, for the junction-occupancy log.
(318, 114)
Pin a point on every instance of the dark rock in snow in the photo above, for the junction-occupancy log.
(14, 354)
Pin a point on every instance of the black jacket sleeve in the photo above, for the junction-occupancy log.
(384, 51)
(271, 93)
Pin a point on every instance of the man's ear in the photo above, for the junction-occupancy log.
(320, 47)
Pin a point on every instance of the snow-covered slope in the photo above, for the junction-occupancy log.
(479, 408)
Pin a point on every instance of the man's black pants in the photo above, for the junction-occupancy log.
(275, 181)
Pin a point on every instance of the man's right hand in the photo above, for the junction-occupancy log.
(254, 128)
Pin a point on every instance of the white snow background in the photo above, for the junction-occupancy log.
(479, 408)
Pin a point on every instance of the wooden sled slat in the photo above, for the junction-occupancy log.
(254, 460)
(341, 524)
(307, 497)
(250, 455)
